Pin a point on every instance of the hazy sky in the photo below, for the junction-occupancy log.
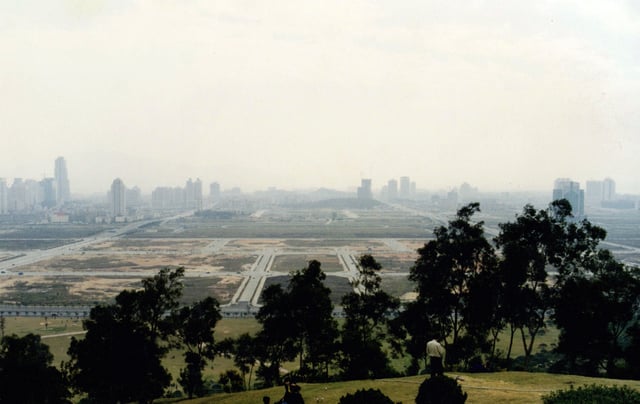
(505, 95)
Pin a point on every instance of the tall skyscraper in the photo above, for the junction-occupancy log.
(364, 190)
(214, 192)
(17, 196)
(193, 194)
(33, 194)
(405, 187)
(392, 189)
(608, 189)
(564, 188)
(61, 176)
(118, 198)
(134, 196)
(593, 195)
(48, 187)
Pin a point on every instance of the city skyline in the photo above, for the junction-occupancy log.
(504, 96)
(401, 186)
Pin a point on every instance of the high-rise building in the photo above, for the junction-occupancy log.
(564, 188)
(599, 192)
(33, 194)
(134, 196)
(118, 198)
(214, 192)
(608, 189)
(48, 188)
(193, 194)
(593, 195)
(405, 188)
(61, 176)
(17, 196)
(167, 198)
(4, 202)
(392, 189)
(364, 190)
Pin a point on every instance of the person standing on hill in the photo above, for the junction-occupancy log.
(435, 352)
(291, 393)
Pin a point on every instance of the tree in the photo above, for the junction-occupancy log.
(119, 358)
(244, 352)
(369, 396)
(414, 326)
(297, 321)
(231, 381)
(527, 247)
(367, 310)
(194, 326)
(445, 272)
(26, 374)
(632, 351)
(275, 342)
(485, 310)
(191, 375)
(160, 295)
(593, 394)
(594, 311)
(313, 321)
(539, 241)
(440, 389)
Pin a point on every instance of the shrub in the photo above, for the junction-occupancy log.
(440, 390)
(370, 396)
(594, 394)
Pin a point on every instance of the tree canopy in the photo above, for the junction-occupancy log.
(26, 373)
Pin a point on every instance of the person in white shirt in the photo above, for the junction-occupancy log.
(435, 352)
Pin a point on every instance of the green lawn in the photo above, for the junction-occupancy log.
(490, 388)
(482, 388)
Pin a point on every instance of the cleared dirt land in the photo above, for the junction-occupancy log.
(213, 267)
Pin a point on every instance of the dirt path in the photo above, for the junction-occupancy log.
(64, 334)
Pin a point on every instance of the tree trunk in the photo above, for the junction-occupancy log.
(512, 330)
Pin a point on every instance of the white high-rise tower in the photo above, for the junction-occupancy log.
(63, 192)
(118, 198)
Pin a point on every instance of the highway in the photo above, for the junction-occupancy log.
(11, 265)
(244, 302)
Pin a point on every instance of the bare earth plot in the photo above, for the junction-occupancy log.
(213, 267)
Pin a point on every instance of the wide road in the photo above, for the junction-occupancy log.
(11, 266)
(251, 287)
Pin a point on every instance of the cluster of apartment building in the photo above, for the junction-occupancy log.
(598, 194)
(32, 195)
(393, 190)
(189, 197)
(52, 194)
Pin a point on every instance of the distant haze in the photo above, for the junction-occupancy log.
(505, 95)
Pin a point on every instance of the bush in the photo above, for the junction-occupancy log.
(440, 390)
(594, 394)
(370, 396)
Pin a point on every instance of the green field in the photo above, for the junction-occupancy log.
(226, 328)
(482, 388)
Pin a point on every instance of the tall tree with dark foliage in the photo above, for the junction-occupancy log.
(368, 311)
(26, 373)
(119, 360)
(446, 272)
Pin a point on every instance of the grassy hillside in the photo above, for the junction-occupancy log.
(482, 388)
(493, 388)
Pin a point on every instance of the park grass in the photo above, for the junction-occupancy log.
(493, 388)
(174, 360)
(482, 388)
(226, 328)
